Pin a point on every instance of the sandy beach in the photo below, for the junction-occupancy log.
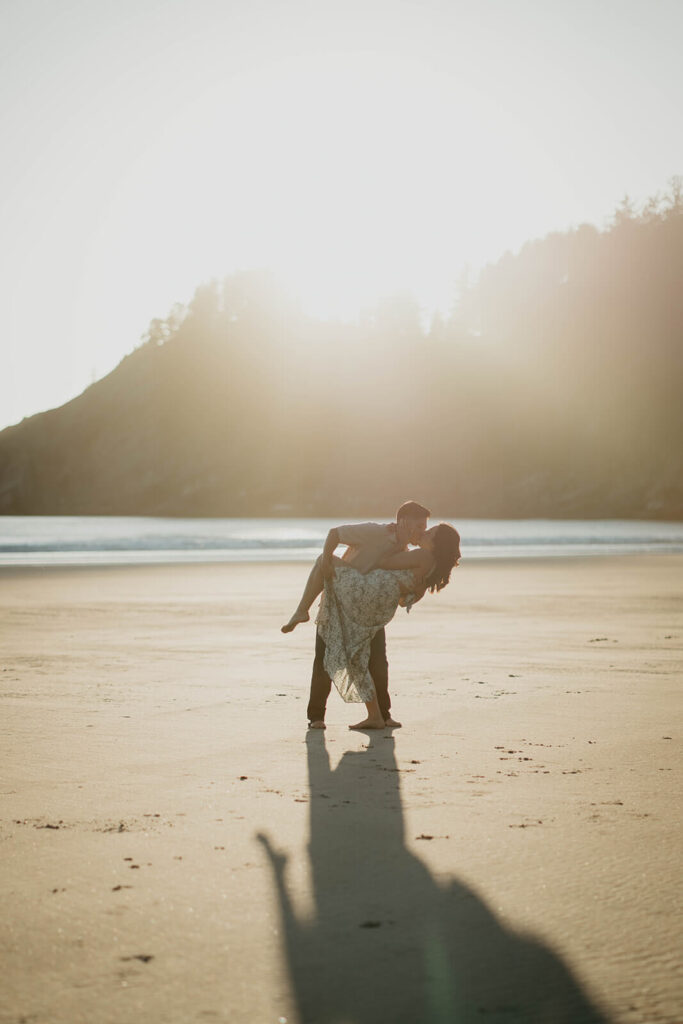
(177, 847)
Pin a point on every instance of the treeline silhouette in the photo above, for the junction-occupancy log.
(552, 388)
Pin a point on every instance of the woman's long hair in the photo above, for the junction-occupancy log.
(446, 553)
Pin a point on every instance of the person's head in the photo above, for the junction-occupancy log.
(411, 521)
(443, 541)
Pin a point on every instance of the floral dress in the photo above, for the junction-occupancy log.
(353, 608)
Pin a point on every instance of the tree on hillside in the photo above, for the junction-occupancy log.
(551, 387)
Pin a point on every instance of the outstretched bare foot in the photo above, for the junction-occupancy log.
(369, 723)
(316, 725)
(392, 724)
(296, 618)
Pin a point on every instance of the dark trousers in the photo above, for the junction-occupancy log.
(321, 682)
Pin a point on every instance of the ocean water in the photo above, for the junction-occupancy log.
(109, 540)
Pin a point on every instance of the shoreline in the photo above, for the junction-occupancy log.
(522, 560)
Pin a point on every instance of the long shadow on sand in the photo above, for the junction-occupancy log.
(388, 942)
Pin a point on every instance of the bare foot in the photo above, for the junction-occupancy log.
(296, 618)
(369, 723)
(391, 724)
(316, 725)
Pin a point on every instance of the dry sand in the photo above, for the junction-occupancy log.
(510, 855)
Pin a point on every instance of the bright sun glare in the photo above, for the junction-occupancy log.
(333, 174)
(355, 150)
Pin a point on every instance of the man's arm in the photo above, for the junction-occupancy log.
(417, 595)
(331, 544)
(352, 535)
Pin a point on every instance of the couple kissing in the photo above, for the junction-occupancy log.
(361, 592)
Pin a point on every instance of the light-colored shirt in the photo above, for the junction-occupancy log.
(368, 544)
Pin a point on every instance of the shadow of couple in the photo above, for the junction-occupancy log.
(388, 942)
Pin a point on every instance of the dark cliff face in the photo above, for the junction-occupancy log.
(166, 434)
(152, 437)
(552, 391)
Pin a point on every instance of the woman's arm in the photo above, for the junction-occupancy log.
(416, 559)
(419, 560)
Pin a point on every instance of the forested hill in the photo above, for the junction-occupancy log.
(553, 389)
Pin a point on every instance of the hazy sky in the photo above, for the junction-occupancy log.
(353, 147)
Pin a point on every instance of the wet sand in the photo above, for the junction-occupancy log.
(176, 847)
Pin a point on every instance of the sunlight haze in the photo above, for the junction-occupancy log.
(355, 149)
